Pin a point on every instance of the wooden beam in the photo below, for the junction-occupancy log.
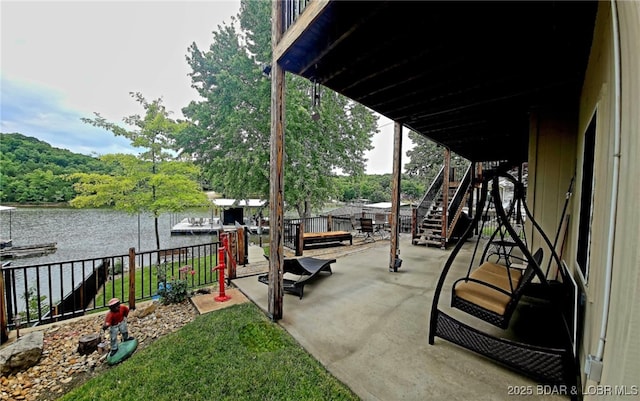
(395, 196)
(302, 23)
(276, 175)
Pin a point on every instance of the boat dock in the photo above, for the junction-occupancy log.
(15, 252)
(197, 226)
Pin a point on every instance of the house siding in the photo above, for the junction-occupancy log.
(549, 168)
(622, 351)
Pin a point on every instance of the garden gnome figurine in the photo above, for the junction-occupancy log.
(116, 321)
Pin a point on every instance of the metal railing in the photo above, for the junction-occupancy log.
(40, 294)
(330, 223)
(457, 202)
(429, 198)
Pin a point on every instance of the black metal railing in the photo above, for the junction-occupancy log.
(430, 196)
(40, 294)
(457, 201)
(330, 223)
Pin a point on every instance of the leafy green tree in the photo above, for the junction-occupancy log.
(151, 182)
(427, 158)
(230, 129)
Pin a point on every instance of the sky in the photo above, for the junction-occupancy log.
(61, 61)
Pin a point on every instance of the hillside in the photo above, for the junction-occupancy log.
(32, 171)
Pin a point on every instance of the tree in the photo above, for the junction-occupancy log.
(427, 158)
(151, 182)
(33, 171)
(229, 130)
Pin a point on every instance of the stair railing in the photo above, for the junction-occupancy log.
(457, 202)
(429, 198)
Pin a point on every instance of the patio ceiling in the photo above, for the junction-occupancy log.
(465, 74)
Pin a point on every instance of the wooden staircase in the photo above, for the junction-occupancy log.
(432, 227)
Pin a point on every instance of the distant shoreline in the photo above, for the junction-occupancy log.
(44, 204)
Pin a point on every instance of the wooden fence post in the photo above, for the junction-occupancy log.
(414, 223)
(300, 238)
(329, 223)
(4, 333)
(132, 278)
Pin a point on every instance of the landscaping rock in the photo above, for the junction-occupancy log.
(22, 354)
(61, 367)
(147, 311)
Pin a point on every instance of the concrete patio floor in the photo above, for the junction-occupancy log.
(369, 328)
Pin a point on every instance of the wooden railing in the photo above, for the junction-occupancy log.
(291, 10)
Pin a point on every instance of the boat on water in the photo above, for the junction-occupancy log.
(27, 251)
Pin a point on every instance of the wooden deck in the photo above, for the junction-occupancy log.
(203, 226)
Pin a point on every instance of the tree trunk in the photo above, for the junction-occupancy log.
(88, 343)
(304, 209)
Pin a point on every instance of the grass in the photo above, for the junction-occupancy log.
(232, 354)
(147, 279)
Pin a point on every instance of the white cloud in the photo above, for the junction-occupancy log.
(65, 60)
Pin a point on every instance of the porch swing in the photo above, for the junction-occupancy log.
(493, 292)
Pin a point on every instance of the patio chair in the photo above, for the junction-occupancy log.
(382, 225)
(366, 226)
(355, 227)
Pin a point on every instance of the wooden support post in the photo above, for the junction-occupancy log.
(276, 176)
(132, 278)
(394, 217)
(445, 199)
(329, 223)
(242, 258)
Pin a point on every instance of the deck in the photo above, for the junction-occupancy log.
(197, 226)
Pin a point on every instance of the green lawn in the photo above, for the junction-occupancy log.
(147, 279)
(232, 354)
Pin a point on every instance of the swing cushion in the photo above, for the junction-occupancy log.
(485, 296)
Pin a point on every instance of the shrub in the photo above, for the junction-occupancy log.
(176, 289)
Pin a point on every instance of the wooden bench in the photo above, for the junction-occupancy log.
(326, 237)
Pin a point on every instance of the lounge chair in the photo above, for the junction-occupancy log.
(306, 268)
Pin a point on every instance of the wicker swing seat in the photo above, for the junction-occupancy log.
(493, 292)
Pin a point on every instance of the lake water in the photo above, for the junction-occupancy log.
(86, 234)
(92, 233)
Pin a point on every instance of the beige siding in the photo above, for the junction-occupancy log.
(552, 159)
(597, 98)
(550, 169)
(622, 352)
